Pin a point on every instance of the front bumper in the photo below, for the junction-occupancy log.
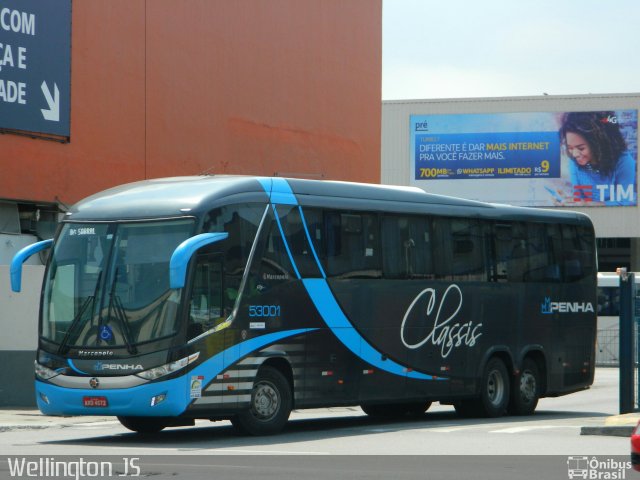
(135, 401)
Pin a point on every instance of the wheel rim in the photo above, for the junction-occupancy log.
(495, 388)
(527, 386)
(266, 401)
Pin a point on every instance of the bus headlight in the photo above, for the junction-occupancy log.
(43, 372)
(157, 372)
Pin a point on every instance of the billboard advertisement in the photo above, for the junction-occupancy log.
(530, 159)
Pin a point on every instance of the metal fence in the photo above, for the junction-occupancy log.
(608, 347)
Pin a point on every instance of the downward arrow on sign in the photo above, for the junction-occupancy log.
(53, 113)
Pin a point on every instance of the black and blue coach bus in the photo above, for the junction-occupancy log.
(242, 298)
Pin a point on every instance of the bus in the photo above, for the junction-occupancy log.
(242, 298)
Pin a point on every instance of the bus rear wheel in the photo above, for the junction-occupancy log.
(271, 403)
(394, 410)
(526, 389)
(145, 425)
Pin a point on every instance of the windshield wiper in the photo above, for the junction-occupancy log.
(120, 316)
(77, 320)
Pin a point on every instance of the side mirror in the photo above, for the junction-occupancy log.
(183, 253)
(19, 258)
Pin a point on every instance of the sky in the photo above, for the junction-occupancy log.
(497, 48)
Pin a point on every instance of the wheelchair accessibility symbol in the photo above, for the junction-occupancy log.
(106, 333)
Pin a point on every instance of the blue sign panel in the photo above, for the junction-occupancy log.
(35, 65)
(487, 155)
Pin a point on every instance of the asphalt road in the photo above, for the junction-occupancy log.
(338, 443)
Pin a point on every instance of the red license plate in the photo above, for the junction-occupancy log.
(95, 401)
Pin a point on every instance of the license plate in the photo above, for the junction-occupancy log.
(95, 401)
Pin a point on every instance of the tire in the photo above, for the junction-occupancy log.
(494, 395)
(144, 425)
(396, 410)
(271, 403)
(525, 391)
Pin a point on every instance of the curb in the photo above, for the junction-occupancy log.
(608, 431)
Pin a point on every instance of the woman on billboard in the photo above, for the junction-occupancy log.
(600, 167)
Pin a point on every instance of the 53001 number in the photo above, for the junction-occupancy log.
(264, 310)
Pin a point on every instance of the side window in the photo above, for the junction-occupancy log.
(271, 265)
(353, 245)
(537, 253)
(442, 249)
(241, 222)
(346, 242)
(294, 230)
(511, 260)
(468, 250)
(556, 253)
(577, 248)
(210, 303)
(407, 247)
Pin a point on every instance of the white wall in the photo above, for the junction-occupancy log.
(19, 311)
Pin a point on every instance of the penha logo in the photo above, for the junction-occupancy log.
(101, 367)
(548, 307)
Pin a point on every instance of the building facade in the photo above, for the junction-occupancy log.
(99, 94)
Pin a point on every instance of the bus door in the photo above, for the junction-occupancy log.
(210, 307)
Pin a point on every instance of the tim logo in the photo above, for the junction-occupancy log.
(422, 126)
(548, 307)
(603, 193)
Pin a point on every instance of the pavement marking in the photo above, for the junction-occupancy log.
(219, 451)
(530, 428)
(97, 424)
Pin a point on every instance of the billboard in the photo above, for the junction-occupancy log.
(529, 159)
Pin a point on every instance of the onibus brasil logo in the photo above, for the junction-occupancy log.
(597, 469)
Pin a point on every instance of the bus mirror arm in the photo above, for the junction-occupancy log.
(183, 253)
(19, 258)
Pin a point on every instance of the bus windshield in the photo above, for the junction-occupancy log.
(108, 284)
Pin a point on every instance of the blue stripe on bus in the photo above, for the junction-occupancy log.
(313, 249)
(218, 363)
(323, 298)
(286, 244)
(136, 401)
(336, 320)
(279, 191)
(74, 368)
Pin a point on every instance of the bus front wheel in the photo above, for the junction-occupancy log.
(144, 425)
(271, 403)
(494, 396)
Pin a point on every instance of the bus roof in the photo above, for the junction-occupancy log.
(180, 196)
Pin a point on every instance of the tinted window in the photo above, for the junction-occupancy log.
(407, 247)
